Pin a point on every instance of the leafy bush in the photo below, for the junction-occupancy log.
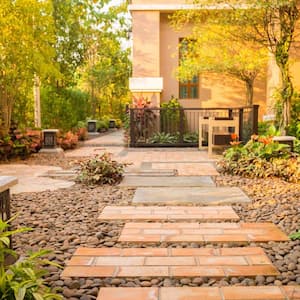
(261, 157)
(163, 138)
(68, 140)
(170, 116)
(101, 170)
(82, 133)
(102, 125)
(294, 127)
(70, 103)
(24, 279)
(119, 123)
(20, 144)
(192, 137)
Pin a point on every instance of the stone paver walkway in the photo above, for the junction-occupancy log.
(168, 213)
(164, 262)
(177, 262)
(199, 293)
(201, 232)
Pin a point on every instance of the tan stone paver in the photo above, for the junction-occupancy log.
(208, 293)
(168, 213)
(188, 169)
(201, 232)
(167, 262)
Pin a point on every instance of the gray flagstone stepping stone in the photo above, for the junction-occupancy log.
(197, 195)
(167, 181)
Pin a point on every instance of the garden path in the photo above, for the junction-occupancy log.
(152, 262)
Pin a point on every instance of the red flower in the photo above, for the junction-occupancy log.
(234, 137)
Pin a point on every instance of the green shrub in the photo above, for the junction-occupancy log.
(294, 127)
(72, 104)
(101, 170)
(102, 125)
(24, 279)
(170, 116)
(163, 138)
(119, 123)
(261, 157)
(192, 137)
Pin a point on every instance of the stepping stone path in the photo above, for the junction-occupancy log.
(182, 262)
(159, 213)
(201, 232)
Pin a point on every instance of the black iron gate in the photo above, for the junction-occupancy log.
(166, 127)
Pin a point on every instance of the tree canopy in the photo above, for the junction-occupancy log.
(271, 23)
(52, 40)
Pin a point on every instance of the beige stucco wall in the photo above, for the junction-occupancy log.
(214, 90)
(146, 43)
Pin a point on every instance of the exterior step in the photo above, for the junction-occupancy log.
(208, 293)
(169, 262)
(152, 172)
(160, 213)
(167, 181)
(183, 195)
(201, 232)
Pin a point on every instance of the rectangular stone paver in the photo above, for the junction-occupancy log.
(168, 213)
(208, 293)
(188, 169)
(175, 181)
(168, 262)
(201, 232)
(198, 195)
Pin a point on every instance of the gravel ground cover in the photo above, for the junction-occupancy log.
(66, 219)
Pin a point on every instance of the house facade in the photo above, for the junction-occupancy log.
(155, 58)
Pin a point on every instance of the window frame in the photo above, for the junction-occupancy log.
(188, 84)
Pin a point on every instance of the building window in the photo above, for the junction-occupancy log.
(188, 89)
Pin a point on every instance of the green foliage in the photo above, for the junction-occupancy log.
(214, 48)
(170, 116)
(295, 236)
(24, 279)
(192, 137)
(163, 138)
(63, 108)
(107, 67)
(20, 144)
(261, 157)
(26, 49)
(101, 170)
(294, 126)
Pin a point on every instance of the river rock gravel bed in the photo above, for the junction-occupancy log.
(66, 219)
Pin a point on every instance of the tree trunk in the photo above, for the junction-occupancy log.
(249, 92)
(5, 117)
(286, 94)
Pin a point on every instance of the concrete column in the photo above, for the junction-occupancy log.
(146, 80)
